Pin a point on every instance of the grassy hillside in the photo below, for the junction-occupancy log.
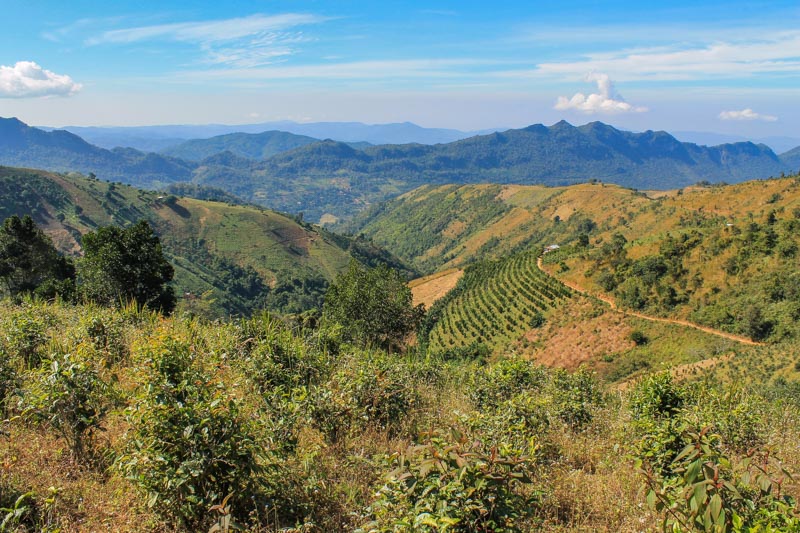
(722, 256)
(441, 227)
(228, 258)
(509, 305)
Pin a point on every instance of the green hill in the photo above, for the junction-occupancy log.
(792, 158)
(722, 256)
(228, 258)
(247, 145)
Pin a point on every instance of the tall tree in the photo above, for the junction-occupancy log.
(30, 264)
(121, 265)
(374, 305)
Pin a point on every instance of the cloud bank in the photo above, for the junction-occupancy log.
(746, 114)
(26, 79)
(606, 100)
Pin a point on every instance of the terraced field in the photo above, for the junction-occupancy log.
(495, 303)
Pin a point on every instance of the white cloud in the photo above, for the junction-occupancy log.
(746, 114)
(207, 31)
(242, 42)
(26, 79)
(777, 54)
(607, 100)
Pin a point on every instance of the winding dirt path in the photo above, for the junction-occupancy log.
(611, 303)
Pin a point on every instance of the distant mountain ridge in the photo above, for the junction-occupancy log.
(24, 146)
(256, 146)
(333, 180)
(561, 154)
(157, 138)
(779, 144)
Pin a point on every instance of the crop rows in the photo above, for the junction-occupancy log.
(501, 302)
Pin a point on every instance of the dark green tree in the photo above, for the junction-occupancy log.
(30, 264)
(122, 265)
(374, 305)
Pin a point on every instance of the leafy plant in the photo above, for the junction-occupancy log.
(703, 490)
(375, 305)
(69, 396)
(449, 484)
(25, 334)
(189, 446)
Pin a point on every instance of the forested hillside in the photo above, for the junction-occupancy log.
(24, 146)
(228, 258)
(247, 145)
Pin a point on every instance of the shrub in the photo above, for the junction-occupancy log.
(189, 447)
(494, 384)
(450, 484)
(574, 397)
(68, 396)
(704, 490)
(657, 396)
(380, 393)
(278, 356)
(25, 335)
(638, 337)
(8, 380)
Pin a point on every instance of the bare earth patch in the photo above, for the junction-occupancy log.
(430, 288)
(580, 332)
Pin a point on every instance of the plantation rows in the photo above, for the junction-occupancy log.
(500, 302)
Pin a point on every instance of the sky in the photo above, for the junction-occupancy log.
(729, 67)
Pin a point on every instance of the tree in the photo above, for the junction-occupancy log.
(121, 265)
(374, 305)
(30, 264)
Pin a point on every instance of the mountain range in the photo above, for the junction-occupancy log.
(331, 180)
(778, 144)
(157, 138)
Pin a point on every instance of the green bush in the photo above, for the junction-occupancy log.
(704, 490)
(9, 380)
(380, 392)
(638, 337)
(494, 384)
(69, 396)
(575, 397)
(452, 484)
(190, 447)
(24, 336)
(657, 396)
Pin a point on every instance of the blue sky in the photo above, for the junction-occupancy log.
(731, 67)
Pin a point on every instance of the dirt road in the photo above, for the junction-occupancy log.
(608, 300)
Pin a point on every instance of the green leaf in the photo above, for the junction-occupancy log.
(716, 506)
(651, 499)
(700, 492)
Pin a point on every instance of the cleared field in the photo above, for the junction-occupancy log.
(430, 288)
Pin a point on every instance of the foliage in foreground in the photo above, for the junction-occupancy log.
(267, 425)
